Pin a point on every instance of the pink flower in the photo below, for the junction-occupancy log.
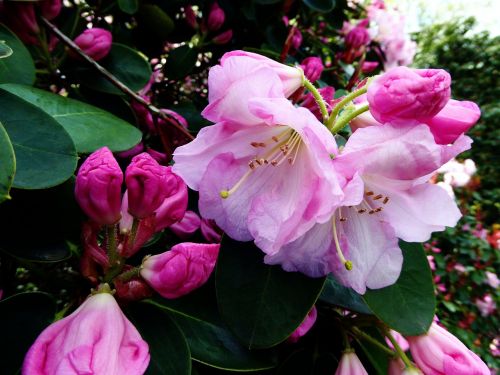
(357, 37)
(296, 39)
(223, 38)
(369, 66)
(98, 187)
(211, 232)
(95, 339)
(486, 305)
(492, 279)
(313, 67)
(350, 365)
(409, 96)
(174, 206)
(184, 268)
(95, 42)
(148, 185)
(189, 224)
(305, 326)
(403, 344)
(216, 17)
(386, 198)
(453, 120)
(440, 353)
(242, 76)
(269, 182)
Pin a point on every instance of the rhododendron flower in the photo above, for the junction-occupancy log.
(486, 305)
(492, 279)
(216, 17)
(95, 42)
(305, 326)
(403, 344)
(386, 199)
(186, 267)
(242, 76)
(95, 339)
(350, 365)
(269, 182)
(313, 67)
(439, 352)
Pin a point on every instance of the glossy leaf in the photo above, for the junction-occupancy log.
(89, 127)
(7, 164)
(408, 305)
(125, 63)
(5, 50)
(154, 21)
(20, 326)
(18, 67)
(169, 350)
(339, 295)
(45, 153)
(128, 6)
(181, 62)
(323, 6)
(210, 340)
(251, 295)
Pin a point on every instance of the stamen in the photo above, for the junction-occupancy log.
(251, 165)
(361, 211)
(224, 194)
(254, 144)
(275, 139)
(386, 199)
(377, 197)
(347, 263)
(368, 193)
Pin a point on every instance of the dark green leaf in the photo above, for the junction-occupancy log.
(128, 6)
(408, 305)
(17, 67)
(252, 295)
(169, 350)
(22, 319)
(154, 21)
(7, 164)
(374, 355)
(45, 153)
(180, 62)
(339, 295)
(210, 341)
(5, 50)
(324, 6)
(89, 127)
(125, 63)
(43, 252)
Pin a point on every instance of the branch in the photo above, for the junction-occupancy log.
(111, 78)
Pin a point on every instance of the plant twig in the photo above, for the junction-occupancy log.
(111, 78)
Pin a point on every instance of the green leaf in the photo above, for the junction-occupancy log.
(261, 304)
(128, 6)
(125, 63)
(169, 350)
(22, 318)
(339, 295)
(210, 341)
(377, 357)
(323, 6)
(45, 153)
(154, 21)
(17, 67)
(89, 127)
(180, 62)
(408, 305)
(5, 50)
(7, 164)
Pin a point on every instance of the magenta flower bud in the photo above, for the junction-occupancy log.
(50, 9)
(369, 66)
(296, 39)
(305, 326)
(216, 17)
(184, 268)
(98, 187)
(223, 38)
(95, 339)
(439, 352)
(95, 42)
(357, 38)
(350, 365)
(456, 118)
(312, 67)
(190, 17)
(148, 184)
(132, 290)
(211, 232)
(186, 227)
(404, 95)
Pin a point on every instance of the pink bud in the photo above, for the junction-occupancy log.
(210, 230)
(309, 102)
(173, 207)
(180, 119)
(453, 120)
(350, 365)
(95, 339)
(132, 290)
(95, 42)
(186, 267)
(404, 95)
(216, 17)
(98, 187)
(312, 67)
(190, 16)
(357, 38)
(148, 184)
(224, 37)
(439, 352)
(305, 326)
(403, 344)
(369, 66)
(50, 9)
(187, 225)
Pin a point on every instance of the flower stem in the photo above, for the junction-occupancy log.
(111, 244)
(130, 274)
(398, 349)
(372, 341)
(318, 98)
(344, 120)
(347, 99)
